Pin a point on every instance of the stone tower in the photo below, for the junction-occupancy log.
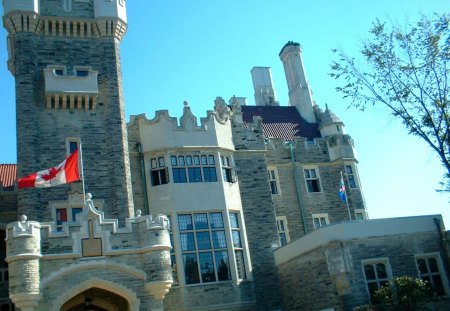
(65, 57)
(300, 94)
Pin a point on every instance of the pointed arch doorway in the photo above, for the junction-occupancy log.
(96, 299)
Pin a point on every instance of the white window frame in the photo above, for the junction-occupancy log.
(374, 262)
(441, 272)
(362, 212)
(272, 175)
(320, 217)
(317, 178)
(283, 229)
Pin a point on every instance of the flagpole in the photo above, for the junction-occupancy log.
(346, 197)
(82, 175)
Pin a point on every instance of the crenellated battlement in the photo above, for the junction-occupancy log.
(164, 131)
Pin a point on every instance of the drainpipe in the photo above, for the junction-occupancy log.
(297, 187)
(144, 180)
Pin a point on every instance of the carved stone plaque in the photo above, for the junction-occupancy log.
(91, 246)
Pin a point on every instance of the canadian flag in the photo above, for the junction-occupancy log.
(64, 173)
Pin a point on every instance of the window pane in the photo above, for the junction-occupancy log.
(191, 268)
(204, 160)
(181, 160)
(372, 288)
(422, 266)
(203, 241)
(184, 222)
(306, 173)
(316, 223)
(61, 216)
(187, 241)
(222, 160)
(348, 169)
(437, 285)
(223, 266)
(161, 162)
(196, 160)
(153, 163)
(207, 267)
(179, 175)
(201, 221)
(189, 160)
(273, 187)
(432, 263)
(240, 264)
(76, 211)
(209, 174)
(370, 272)
(173, 160)
(234, 223)
(216, 220)
(313, 173)
(73, 145)
(280, 224)
(236, 238)
(195, 174)
(283, 239)
(351, 181)
(211, 160)
(381, 271)
(219, 240)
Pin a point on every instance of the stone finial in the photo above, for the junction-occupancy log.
(88, 196)
(138, 213)
(185, 103)
(23, 218)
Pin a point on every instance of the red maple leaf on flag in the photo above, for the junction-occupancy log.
(51, 173)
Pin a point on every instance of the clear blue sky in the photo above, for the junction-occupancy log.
(199, 49)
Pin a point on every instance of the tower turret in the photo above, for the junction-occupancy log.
(299, 92)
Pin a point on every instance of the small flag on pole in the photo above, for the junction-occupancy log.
(342, 194)
(64, 173)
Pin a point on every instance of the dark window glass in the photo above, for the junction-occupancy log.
(191, 268)
(173, 160)
(82, 73)
(209, 173)
(203, 240)
(73, 145)
(219, 240)
(201, 221)
(195, 174)
(223, 266)
(381, 271)
(370, 272)
(207, 267)
(76, 211)
(179, 175)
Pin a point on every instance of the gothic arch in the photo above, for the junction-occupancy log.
(115, 288)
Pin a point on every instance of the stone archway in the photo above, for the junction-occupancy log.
(99, 299)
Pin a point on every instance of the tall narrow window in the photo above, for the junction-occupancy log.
(350, 176)
(237, 245)
(158, 171)
(67, 5)
(273, 180)
(282, 230)
(377, 274)
(430, 270)
(227, 170)
(204, 247)
(312, 180)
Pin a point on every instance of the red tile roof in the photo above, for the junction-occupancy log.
(8, 174)
(281, 122)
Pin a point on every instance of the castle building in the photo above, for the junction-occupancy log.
(238, 210)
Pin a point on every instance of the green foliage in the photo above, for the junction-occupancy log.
(405, 70)
(403, 293)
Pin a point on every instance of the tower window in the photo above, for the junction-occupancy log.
(350, 176)
(82, 73)
(283, 230)
(67, 5)
(59, 72)
(312, 180)
(272, 173)
(159, 173)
